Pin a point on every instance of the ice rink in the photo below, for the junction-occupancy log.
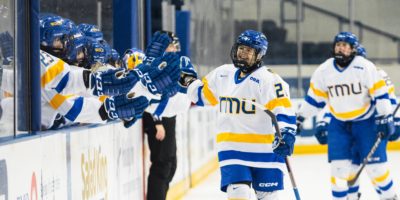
(312, 173)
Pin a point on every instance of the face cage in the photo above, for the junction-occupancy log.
(243, 65)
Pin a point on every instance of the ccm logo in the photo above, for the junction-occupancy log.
(268, 184)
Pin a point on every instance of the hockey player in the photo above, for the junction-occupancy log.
(323, 119)
(249, 155)
(358, 99)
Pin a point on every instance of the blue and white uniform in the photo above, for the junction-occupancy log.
(354, 96)
(60, 85)
(245, 134)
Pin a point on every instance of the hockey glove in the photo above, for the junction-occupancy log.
(112, 82)
(285, 145)
(188, 74)
(299, 123)
(157, 47)
(163, 75)
(396, 133)
(129, 122)
(7, 47)
(322, 132)
(385, 125)
(123, 107)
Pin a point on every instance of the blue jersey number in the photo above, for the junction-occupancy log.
(46, 59)
(279, 90)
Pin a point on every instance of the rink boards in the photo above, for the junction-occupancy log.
(103, 162)
(111, 162)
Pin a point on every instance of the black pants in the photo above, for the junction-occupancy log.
(162, 157)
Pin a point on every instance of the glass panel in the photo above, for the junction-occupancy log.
(7, 23)
(83, 11)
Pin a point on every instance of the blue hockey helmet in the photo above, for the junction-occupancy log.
(69, 24)
(347, 37)
(352, 40)
(253, 39)
(133, 57)
(75, 45)
(91, 30)
(52, 27)
(115, 59)
(361, 51)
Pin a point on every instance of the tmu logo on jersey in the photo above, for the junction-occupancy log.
(344, 89)
(233, 105)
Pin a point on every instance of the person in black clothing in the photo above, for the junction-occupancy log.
(162, 143)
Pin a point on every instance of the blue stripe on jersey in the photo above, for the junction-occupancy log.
(314, 103)
(353, 189)
(339, 194)
(200, 101)
(246, 156)
(286, 118)
(161, 107)
(237, 79)
(366, 113)
(327, 114)
(75, 110)
(383, 96)
(387, 187)
(393, 101)
(61, 85)
(154, 101)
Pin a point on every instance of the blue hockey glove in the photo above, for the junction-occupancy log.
(163, 74)
(188, 74)
(125, 107)
(7, 47)
(113, 82)
(385, 125)
(159, 43)
(396, 133)
(299, 123)
(322, 132)
(285, 146)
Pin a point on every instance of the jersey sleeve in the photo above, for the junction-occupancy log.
(316, 98)
(277, 99)
(204, 92)
(390, 85)
(378, 90)
(54, 80)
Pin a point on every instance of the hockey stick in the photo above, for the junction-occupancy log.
(352, 181)
(279, 135)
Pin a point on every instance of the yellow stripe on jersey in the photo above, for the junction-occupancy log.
(58, 100)
(377, 86)
(52, 72)
(208, 94)
(284, 102)
(382, 178)
(350, 114)
(246, 138)
(318, 92)
(391, 90)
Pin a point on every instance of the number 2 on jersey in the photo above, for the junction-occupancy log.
(279, 90)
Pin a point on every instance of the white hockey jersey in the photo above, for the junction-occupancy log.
(60, 83)
(245, 134)
(352, 93)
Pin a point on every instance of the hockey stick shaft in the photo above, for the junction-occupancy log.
(352, 181)
(279, 135)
